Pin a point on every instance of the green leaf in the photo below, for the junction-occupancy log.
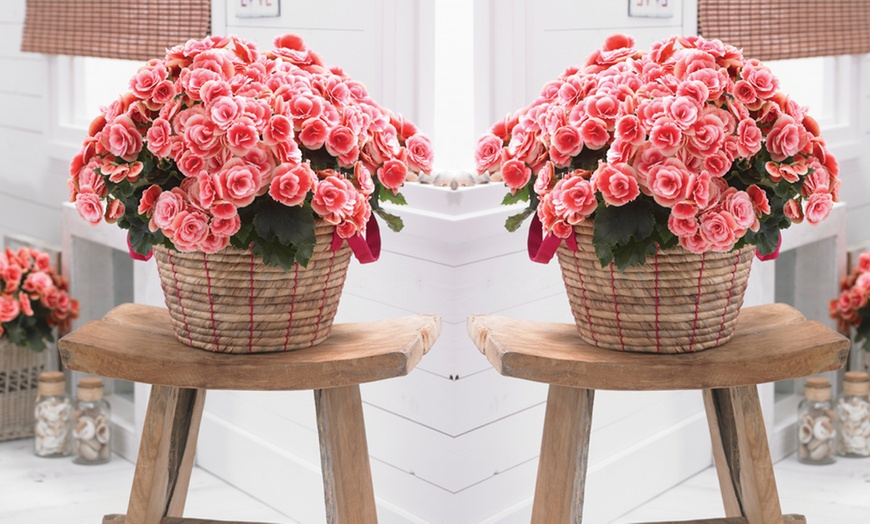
(275, 254)
(765, 239)
(287, 225)
(633, 254)
(244, 236)
(604, 254)
(514, 221)
(304, 253)
(388, 196)
(522, 195)
(393, 222)
(142, 238)
(862, 330)
(616, 225)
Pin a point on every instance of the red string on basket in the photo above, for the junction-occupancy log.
(583, 291)
(697, 302)
(217, 346)
(251, 302)
(616, 306)
(178, 295)
(541, 249)
(292, 304)
(323, 298)
(656, 264)
(366, 249)
(730, 292)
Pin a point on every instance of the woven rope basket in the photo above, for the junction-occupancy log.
(19, 377)
(677, 302)
(230, 302)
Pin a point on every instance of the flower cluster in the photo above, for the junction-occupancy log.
(689, 143)
(33, 298)
(850, 307)
(218, 144)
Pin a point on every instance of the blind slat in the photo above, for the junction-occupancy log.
(781, 29)
(125, 29)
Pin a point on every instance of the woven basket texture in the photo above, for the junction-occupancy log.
(677, 302)
(19, 377)
(231, 302)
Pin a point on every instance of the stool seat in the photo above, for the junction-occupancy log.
(149, 352)
(772, 342)
(137, 342)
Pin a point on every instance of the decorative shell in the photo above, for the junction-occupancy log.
(823, 429)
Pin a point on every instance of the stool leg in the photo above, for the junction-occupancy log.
(741, 454)
(165, 454)
(344, 456)
(564, 448)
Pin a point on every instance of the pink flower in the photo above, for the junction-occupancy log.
(206, 189)
(567, 141)
(190, 227)
(420, 155)
(291, 184)
(759, 200)
(761, 79)
(340, 141)
(89, 207)
(305, 106)
(748, 138)
(279, 129)
(12, 277)
(242, 136)
(695, 243)
(594, 133)
(683, 111)
(745, 92)
(168, 205)
(666, 136)
(159, 138)
(392, 174)
(819, 207)
(114, 211)
(162, 93)
(225, 110)
(682, 227)
(121, 138)
(786, 138)
(793, 211)
(573, 199)
(717, 164)
(190, 164)
(707, 137)
(545, 179)
(617, 183)
(223, 209)
(9, 309)
(741, 207)
(669, 182)
(628, 129)
(238, 183)
(213, 243)
(202, 136)
(718, 229)
(334, 199)
(701, 190)
(313, 133)
(226, 227)
(515, 174)
(148, 200)
(146, 79)
(38, 282)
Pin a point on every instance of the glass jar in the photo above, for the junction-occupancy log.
(53, 417)
(853, 416)
(816, 418)
(92, 442)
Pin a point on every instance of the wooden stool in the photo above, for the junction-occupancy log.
(136, 342)
(772, 342)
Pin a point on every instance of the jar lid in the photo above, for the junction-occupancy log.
(51, 376)
(90, 388)
(817, 388)
(857, 384)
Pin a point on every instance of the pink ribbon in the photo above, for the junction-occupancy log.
(770, 256)
(366, 249)
(135, 255)
(542, 249)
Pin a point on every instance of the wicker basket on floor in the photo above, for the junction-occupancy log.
(230, 302)
(19, 376)
(677, 302)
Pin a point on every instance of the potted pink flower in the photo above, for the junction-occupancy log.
(662, 172)
(850, 308)
(251, 168)
(34, 305)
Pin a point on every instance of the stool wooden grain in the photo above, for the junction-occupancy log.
(136, 342)
(771, 343)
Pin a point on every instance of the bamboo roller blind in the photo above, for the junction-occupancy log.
(126, 29)
(781, 29)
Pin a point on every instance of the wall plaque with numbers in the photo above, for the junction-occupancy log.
(651, 8)
(257, 8)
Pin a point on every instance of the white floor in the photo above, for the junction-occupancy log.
(34, 490)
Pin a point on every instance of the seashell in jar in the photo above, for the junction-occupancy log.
(820, 452)
(41, 429)
(92, 443)
(85, 429)
(102, 434)
(88, 453)
(807, 420)
(51, 444)
(803, 452)
(104, 453)
(805, 434)
(822, 428)
(51, 412)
